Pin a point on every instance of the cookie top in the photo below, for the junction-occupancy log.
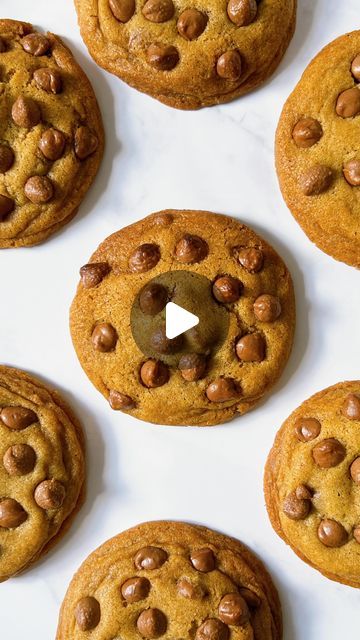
(41, 469)
(317, 150)
(312, 482)
(186, 56)
(51, 136)
(214, 267)
(175, 580)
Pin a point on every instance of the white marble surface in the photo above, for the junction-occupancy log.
(219, 159)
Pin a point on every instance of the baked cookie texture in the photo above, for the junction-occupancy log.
(194, 381)
(318, 153)
(188, 57)
(42, 469)
(312, 480)
(175, 580)
(51, 135)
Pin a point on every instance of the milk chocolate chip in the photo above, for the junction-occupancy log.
(18, 418)
(222, 390)
(331, 533)
(87, 613)
(191, 24)
(355, 470)
(203, 560)
(191, 249)
(307, 132)
(7, 205)
(48, 80)
(355, 67)
(104, 337)
(122, 10)
(36, 44)
(267, 308)
(296, 507)
(6, 158)
(144, 258)
(351, 407)
(187, 589)
(150, 558)
(242, 12)
(19, 460)
(163, 57)
(158, 10)
(151, 623)
(92, 274)
(352, 172)
(328, 453)
(192, 366)
(227, 289)
(229, 65)
(86, 142)
(212, 629)
(317, 179)
(52, 144)
(307, 429)
(251, 348)
(348, 103)
(120, 401)
(153, 299)
(233, 609)
(161, 344)
(251, 258)
(163, 219)
(154, 374)
(25, 112)
(50, 494)
(135, 589)
(39, 189)
(12, 514)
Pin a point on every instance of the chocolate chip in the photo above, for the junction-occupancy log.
(316, 179)
(267, 308)
(251, 258)
(328, 453)
(303, 492)
(251, 348)
(87, 613)
(154, 374)
(191, 249)
(348, 103)
(19, 460)
(351, 407)
(192, 366)
(120, 401)
(36, 44)
(203, 560)
(229, 65)
(307, 429)
(295, 507)
(233, 609)
(163, 219)
(39, 189)
(2, 45)
(222, 390)
(153, 299)
(227, 289)
(12, 514)
(52, 144)
(158, 10)
(150, 558)
(144, 258)
(352, 172)
(187, 589)
(163, 57)
(251, 597)
(135, 589)
(355, 67)
(355, 470)
(307, 132)
(104, 337)
(6, 158)
(122, 10)
(50, 494)
(191, 24)
(7, 205)
(48, 80)
(331, 533)
(25, 112)
(17, 418)
(212, 629)
(242, 12)
(86, 142)
(151, 623)
(93, 273)
(161, 344)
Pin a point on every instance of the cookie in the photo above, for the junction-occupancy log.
(174, 580)
(188, 56)
(312, 480)
(51, 135)
(317, 150)
(210, 265)
(41, 469)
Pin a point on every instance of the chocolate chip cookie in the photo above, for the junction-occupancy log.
(318, 152)
(51, 136)
(41, 469)
(312, 482)
(175, 580)
(188, 56)
(210, 265)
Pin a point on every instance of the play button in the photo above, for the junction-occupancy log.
(178, 320)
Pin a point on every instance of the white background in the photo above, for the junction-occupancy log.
(219, 159)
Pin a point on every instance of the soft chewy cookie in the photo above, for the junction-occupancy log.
(318, 151)
(210, 265)
(174, 580)
(312, 482)
(188, 55)
(41, 469)
(51, 136)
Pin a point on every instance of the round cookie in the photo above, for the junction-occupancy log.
(312, 480)
(171, 579)
(41, 470)
(318, 152)
(188, 56)
(214, 372)
(51, 135)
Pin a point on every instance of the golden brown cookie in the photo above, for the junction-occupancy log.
(41, 469)
(51, 135)
(212, 266)
(318, 152)
(175, 580)
(188, 56)
(312, 481)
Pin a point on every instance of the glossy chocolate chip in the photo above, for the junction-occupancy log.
(19, 460)
(153, 299)
(316, 179)
(135, 589)
(52, 144)
(227, 289)
(355, 67)
(222, 390)
(18, 418)
(150, 558)
(144, 258)
(332, 534)
(233, 610)
(307, 429)
(355, 470)
(242, 12)
(48, 80)
(36, 44)
(252, 599)
(251, 348)
(85, 142)
(154, 373)
(348, 103)
(122, 10)
(104, 337)
(295, 507)
(212, 629)
(307, 132)
(87, 613)
(351, 407)
(192, 366)
(229, 65)
(163, 219)
(158, 10)
(303, 492)
(12, 514)
(203, 560)
(120, 401)
(251, 258)
(25, 112)
(7, 206)
(151, 623)
(2, 45)
(161, 344)
(191, 24)
(93, 273)
(267, 308)
(351, 171)
(39, 189)
(163, 57)
(6, 158)
(191, 249)
(50, 494)
(328, 453)
(186, 589)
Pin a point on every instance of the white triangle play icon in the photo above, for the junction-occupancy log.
(178, 320)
